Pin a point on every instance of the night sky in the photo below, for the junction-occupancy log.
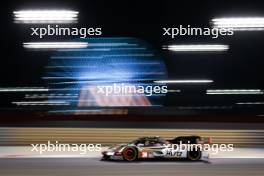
(241, 67)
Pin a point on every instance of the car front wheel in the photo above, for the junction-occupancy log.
(130, 154)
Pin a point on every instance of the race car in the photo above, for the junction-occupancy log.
(157, 148)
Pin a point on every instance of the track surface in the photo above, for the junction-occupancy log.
(93, 166)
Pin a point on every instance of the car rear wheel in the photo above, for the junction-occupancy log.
(194, 155)
(130, 154)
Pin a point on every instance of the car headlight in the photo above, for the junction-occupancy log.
(110, 153)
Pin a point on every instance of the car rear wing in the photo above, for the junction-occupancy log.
(206, 140)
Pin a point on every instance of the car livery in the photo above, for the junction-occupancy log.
(156, 148)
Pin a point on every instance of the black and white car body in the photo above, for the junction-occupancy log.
(156, 148)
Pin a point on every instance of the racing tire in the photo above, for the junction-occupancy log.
(194, 155)
(130, 154)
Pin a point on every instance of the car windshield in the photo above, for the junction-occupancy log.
(135, 142)
(143, 141)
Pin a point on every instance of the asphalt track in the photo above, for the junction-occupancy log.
(95, 167)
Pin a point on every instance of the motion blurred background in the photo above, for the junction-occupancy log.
(49, 94)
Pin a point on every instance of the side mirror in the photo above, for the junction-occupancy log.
(140, 145)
